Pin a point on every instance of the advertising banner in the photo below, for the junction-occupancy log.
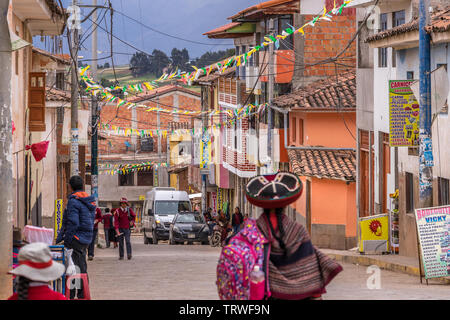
(58, 216)
(403, 115)
(214, 201)
(433, 227)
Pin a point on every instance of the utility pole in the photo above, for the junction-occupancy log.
(159, 129)
(270, 98)
(425, 149)
(94, 112)
(94, 42)
(94, 149)
(6, 180)
(74, 165)
(202, 153)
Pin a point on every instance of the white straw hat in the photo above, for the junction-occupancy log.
(36, 263)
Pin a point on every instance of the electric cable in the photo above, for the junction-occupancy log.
(169, 35)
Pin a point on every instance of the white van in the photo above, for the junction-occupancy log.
(160, 207)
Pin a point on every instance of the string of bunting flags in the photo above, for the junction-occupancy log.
(113, 169)
(189, 77)
(94, 88)
(128, 132)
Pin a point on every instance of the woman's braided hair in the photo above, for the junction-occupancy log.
(279, 215)
(22, 288)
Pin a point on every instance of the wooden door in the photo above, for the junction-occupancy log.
(386, 167)
(366, 174)
(36, 101)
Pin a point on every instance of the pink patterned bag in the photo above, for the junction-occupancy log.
(244, 251)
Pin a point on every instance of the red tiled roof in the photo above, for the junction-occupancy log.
(266, 5)
(440, 22)
(63, 58)
(222, 28)
(323, 94)
(215, 75)
(162, 90)
(324, 164)
(53, 94)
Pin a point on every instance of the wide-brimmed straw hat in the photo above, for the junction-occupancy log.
(36, 263)
(274, 190)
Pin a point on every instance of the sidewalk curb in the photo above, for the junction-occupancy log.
(390, 266)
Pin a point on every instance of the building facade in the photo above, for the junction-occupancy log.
(403, 40)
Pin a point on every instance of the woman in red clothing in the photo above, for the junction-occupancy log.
(108, 223)
(36, 269)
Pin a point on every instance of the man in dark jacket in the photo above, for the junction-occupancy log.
(77, 227)
(124, 218)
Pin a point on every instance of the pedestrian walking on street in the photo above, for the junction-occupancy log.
(35, 272)
(124, 219)
(297, 269)
(108, 225)
(236, 220)
(78, 227)
(98, 219)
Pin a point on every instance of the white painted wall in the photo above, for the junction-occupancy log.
(381, 117)
(408, 60)
(48, 165)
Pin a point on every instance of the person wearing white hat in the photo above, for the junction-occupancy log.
(35, 271)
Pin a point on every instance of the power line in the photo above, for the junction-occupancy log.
(169, 35)
(117, 38)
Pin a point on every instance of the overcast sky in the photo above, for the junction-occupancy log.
(187, 19)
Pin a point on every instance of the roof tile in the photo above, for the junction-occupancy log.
(440, 22)
(323, 94)
(324, 164)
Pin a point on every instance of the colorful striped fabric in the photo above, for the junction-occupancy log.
(303, 271)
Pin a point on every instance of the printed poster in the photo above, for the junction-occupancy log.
(205, 151)
(403, 114)
(433, 226)
(214, 201)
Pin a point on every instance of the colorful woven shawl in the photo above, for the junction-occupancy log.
(300, 272)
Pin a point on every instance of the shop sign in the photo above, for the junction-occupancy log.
(374, 234)
(403, 115)
(433, 227)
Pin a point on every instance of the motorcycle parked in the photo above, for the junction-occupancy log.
(219, 234)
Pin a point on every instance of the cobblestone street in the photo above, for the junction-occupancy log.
(181, 272)
(161, 272)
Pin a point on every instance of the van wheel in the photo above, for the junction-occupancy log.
(154, 238)
(147, 240)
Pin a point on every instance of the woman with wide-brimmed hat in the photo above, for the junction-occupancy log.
(35, 271)
(297, 269)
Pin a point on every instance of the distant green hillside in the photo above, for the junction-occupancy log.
(124, 76)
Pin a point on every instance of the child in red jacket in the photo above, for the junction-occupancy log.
(35, 271)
